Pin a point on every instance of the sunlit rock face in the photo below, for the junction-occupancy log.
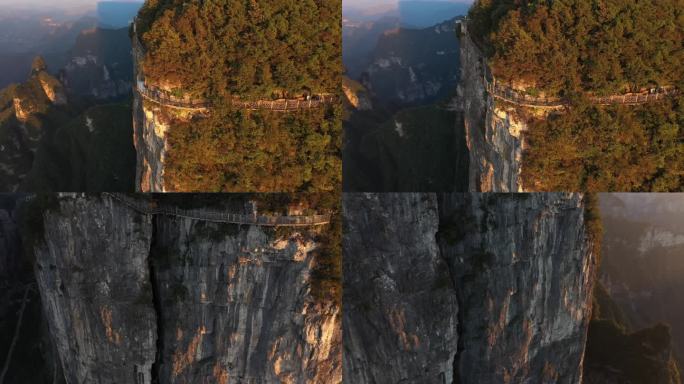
(466, 288)
(151, 124)
(54, 90)
(357, 96)
(494, 131)
(133, 298)
(524, 269)
(239, 309)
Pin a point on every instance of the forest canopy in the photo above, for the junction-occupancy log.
(246, 48)
(239, 151)
(618, 148)
(568, 46)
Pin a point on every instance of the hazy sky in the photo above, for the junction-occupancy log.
(75, 5)
(373, 3)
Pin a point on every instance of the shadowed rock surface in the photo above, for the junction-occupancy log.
(133, 298)
(466, 288)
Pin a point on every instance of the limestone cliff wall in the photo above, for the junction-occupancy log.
(91, 268)
(400, 308)
(151, 124)
(524, 270)
(466, 288)
(494, 131)
(132, 298)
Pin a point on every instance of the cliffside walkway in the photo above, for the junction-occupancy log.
(517, 97)
(165, 99)
(513, 96)
(219, 216)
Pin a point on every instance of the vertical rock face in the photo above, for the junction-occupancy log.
(238, 310)
(132, 298)
(150, 144)
(466, 288)
(54, 90)
(400, 309)
(493, 131)
(91, 269)
(10, 243)
(524, 271)
(151, 123)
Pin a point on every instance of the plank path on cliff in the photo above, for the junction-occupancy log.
(220, 216)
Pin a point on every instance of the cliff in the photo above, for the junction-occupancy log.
(10, 242)
(410, 67)
(99, 65)
(400, 307)
(494, 131)
(28, 112)
(466, 288)
(151, 123)
(134, 298)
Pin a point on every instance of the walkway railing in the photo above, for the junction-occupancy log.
(514, 96)
(284, 105)
(221, 216)
(167, 99)
(511, 95)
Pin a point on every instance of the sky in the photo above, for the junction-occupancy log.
(374, 3)
(67, 5)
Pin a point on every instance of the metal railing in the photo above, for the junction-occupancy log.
(283, 105)
(167, 99)
(514, 96)
(221, 216)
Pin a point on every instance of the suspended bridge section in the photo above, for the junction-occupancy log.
(220, 216)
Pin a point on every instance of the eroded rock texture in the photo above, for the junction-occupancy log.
(238, 309)
(494, 131)
(91, 268)
(133, 298)
(151, 124)
(524, 271)
(466, 288)
(400, 308)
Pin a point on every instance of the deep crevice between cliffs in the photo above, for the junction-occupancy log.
(156, 300)
(456, 379)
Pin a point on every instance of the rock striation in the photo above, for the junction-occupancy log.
(524, 268)
(466, 288)
(134, 298)
(91, 268)
(400, 307)
(151, 124)
(494, 131)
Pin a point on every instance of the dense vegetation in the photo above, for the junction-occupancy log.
(254, 51)
(251, 49)
(572, 48)
(565, 46)
(248, 151)
(620, 148)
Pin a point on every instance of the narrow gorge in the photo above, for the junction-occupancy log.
(129, 297)
(466, 289)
